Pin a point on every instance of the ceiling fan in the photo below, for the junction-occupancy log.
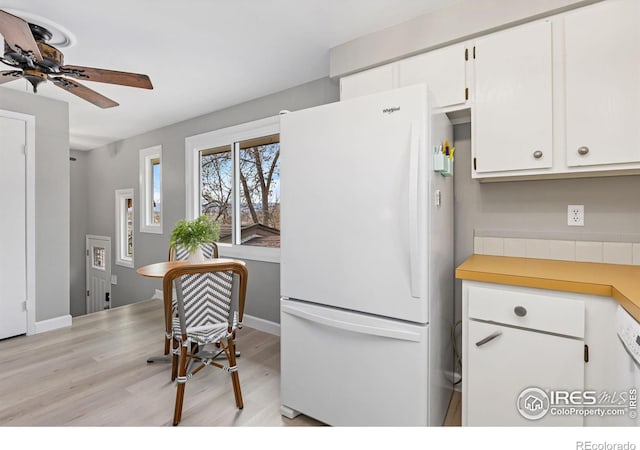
(25, 48)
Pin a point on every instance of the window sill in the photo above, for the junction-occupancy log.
(262, 254)
(157, 229)
(124, 263)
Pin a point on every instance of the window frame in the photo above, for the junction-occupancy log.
(219, 138)
(121, 196)
(145, 167)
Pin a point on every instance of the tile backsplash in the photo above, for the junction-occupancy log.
(565, 250)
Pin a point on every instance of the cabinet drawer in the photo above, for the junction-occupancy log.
(553, 314)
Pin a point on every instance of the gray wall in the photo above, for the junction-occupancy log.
(52, 198)
(539, 208)
(115, 166)
(79, 181)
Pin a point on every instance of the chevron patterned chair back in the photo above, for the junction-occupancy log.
(210, 305)
(179, 253)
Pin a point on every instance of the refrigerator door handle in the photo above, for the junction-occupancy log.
(393, 333)
(414, 232)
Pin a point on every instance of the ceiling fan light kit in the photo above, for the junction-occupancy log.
(27, 51)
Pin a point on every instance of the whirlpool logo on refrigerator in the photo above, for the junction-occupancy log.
(391, 110)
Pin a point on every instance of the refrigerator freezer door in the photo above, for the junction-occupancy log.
(348, 369)
(354, 204)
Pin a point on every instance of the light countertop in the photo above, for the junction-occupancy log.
(621, 282)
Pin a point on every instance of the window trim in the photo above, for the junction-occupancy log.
(147, 155)
(219, 138)
(121, 258)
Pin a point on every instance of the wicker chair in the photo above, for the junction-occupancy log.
(210, 305)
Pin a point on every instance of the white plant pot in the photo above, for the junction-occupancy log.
(196, 257)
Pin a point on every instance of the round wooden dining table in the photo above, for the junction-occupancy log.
(158, 270)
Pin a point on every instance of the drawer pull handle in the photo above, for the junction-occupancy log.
(491, 337)
(537, 154)
(583, 151)
(520, 311)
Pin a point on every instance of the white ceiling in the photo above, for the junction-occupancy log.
(201, 55)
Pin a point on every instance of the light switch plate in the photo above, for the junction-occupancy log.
(114, 279)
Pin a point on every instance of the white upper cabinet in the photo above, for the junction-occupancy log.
(512, 111)
(443, 70)
(368, 82)
(602, 44)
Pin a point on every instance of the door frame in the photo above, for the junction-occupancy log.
(30, 212)
(87, 257)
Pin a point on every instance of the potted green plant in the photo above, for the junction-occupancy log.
(191, 234)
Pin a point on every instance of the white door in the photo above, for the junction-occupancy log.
(512, 116)
(353, 204)
(504, 361)
(98, 273)
(13, 272)
(602, 83)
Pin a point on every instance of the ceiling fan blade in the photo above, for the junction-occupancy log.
(108, 76)
(9, 75)
(83, 92)
(18, 36)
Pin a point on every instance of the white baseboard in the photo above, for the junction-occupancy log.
(53, 324)
(261, 324)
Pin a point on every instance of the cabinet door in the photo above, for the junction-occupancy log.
(443, 70)
(602, 44)
(368, 82)
(500, 369)
(512, 115)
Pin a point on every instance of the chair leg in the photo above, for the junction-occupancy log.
(174, 361)
(182, 373)
(235, 379)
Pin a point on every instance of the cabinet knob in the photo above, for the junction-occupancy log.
(537, 154)
(520, 311)
(583, 150)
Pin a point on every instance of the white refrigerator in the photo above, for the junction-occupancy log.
(366, 262)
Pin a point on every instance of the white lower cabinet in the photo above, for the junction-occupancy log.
(502, 368)
(519, 347)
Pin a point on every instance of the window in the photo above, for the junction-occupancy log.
(233, 175)
(151, 190)
(124, 227)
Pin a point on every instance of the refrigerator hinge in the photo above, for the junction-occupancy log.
(586, 353)
(475, 165)
(466, 54)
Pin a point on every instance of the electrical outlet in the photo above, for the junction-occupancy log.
(575, 215)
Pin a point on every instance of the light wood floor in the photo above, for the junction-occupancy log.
(94, 373)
